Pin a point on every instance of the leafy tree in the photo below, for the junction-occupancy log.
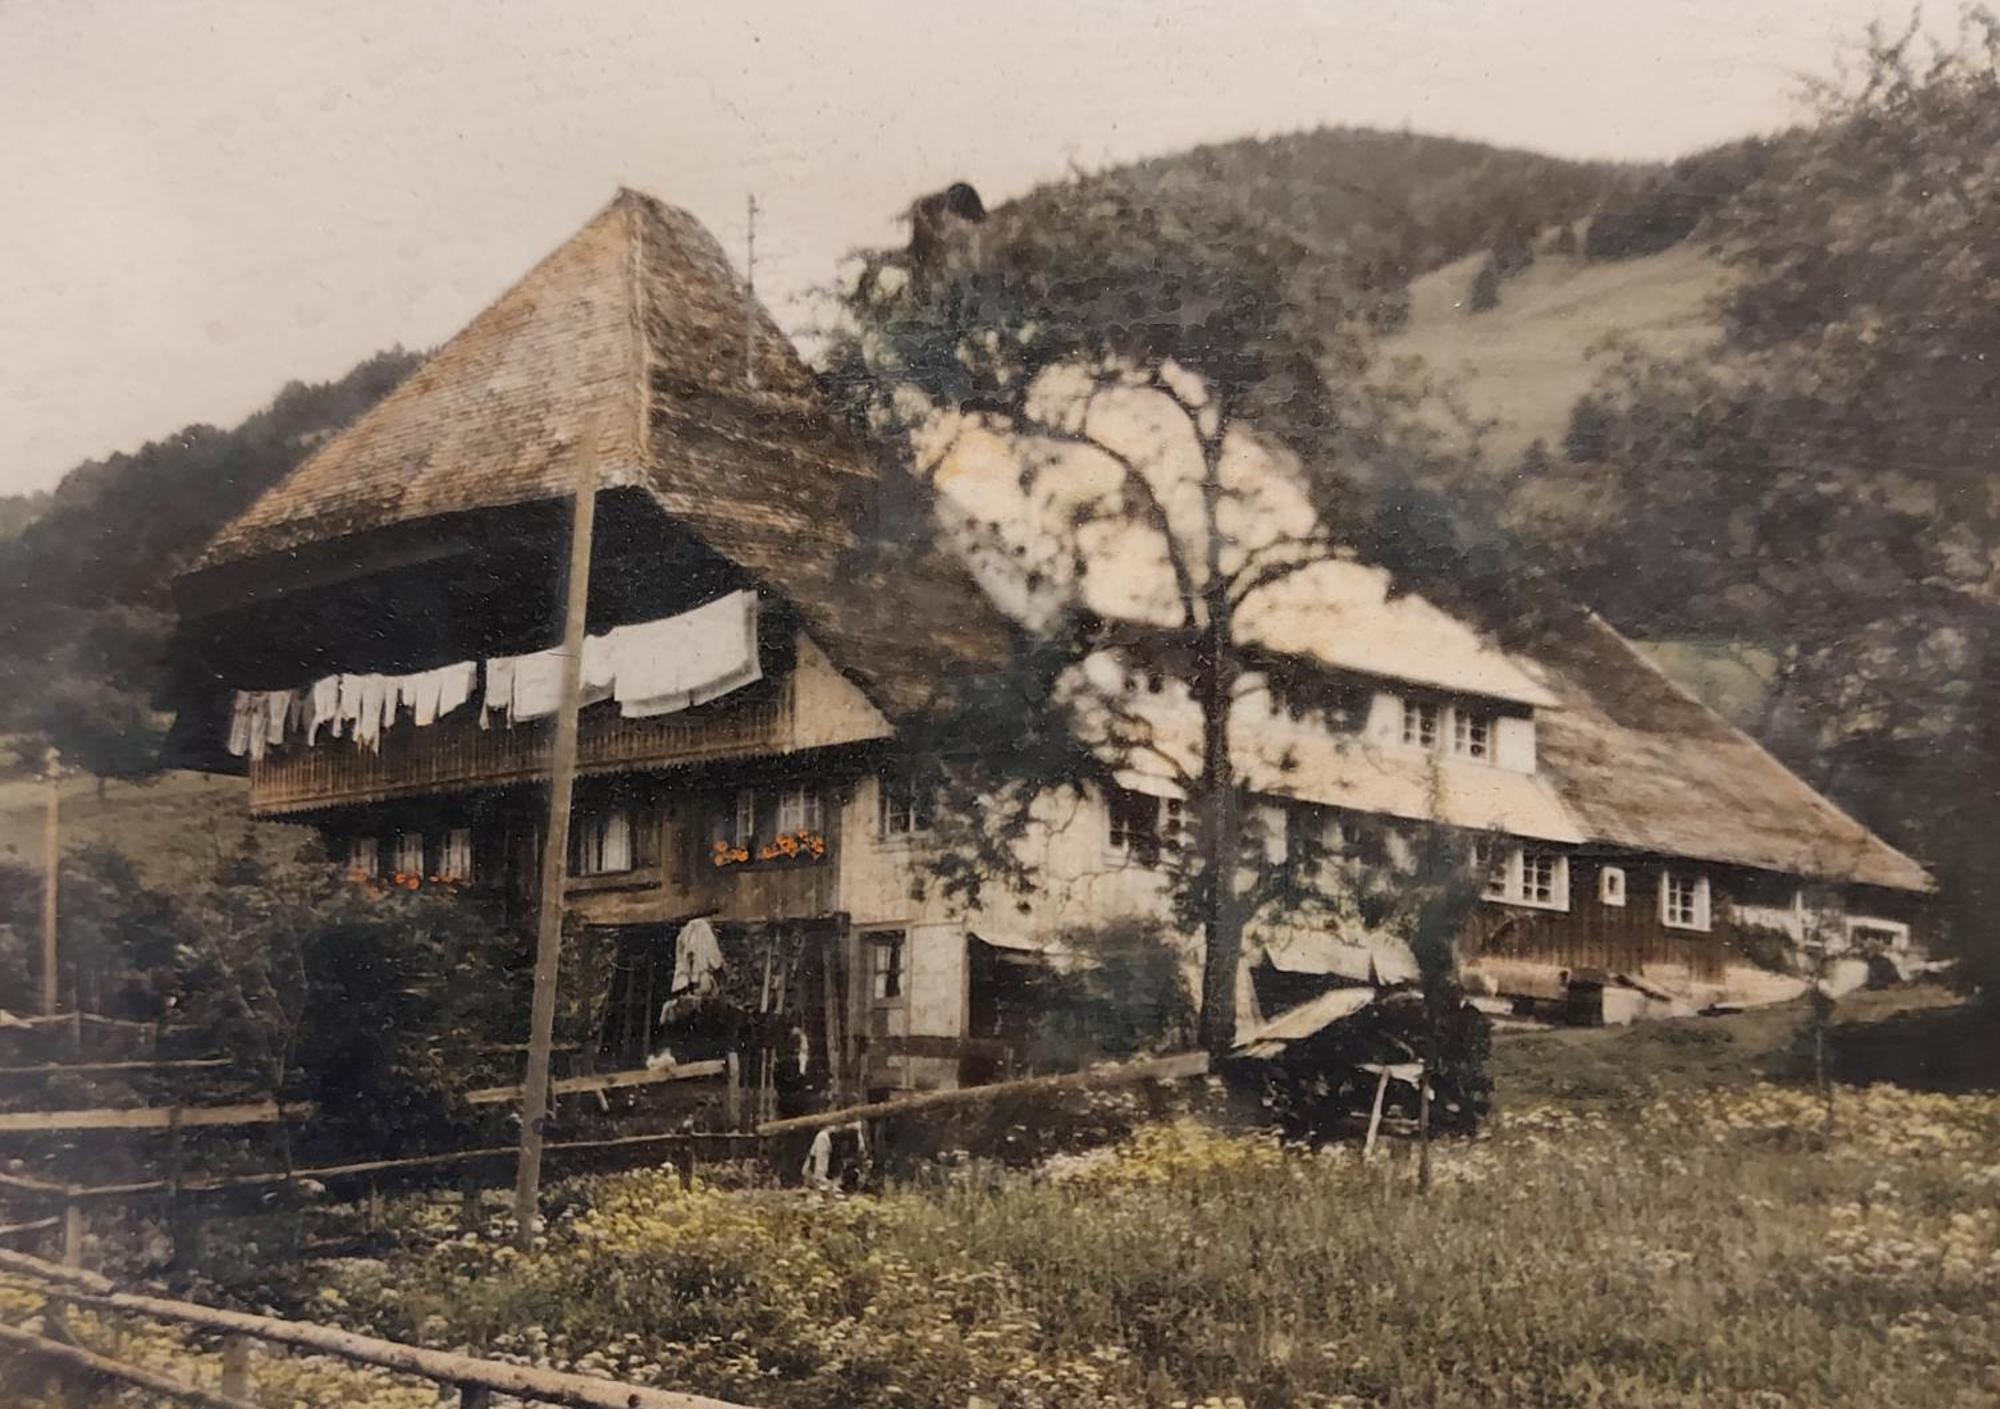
(1824, 490)
(1169, 447)
(371, 1003)
(85, 615)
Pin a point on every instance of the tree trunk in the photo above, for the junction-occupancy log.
(1221, 826)
(1424, 1097)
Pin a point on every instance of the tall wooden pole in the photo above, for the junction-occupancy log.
(51, 880)
(555, 846)
(750, 297)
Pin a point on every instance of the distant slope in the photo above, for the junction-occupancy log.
(1523, 364)
(175, 829)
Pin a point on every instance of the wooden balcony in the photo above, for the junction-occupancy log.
(457, 755)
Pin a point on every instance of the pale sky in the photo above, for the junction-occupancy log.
(203, 199)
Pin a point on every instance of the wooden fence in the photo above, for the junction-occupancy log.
(475, 1379)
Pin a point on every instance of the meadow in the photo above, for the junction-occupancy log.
(1677, 1235)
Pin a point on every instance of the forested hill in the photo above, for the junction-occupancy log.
(84, 613)
(1357, 213)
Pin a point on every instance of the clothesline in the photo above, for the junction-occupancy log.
(651, 668)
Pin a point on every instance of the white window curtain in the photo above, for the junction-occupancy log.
(364, 856)
(456, 862)
(408, 857)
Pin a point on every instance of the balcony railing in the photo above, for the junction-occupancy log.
(457, 755)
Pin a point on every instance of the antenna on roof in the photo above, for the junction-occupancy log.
(750, 297)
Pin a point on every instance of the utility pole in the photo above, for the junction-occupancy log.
(750, 297)
(555, 845)
(51, 878)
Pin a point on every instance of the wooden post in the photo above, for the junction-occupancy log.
(236, 1367)
(1375, 1115)
(733, 1094)
(51, 878)
(73, 1230)
(555, 846)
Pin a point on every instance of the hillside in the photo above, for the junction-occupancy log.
(176, 828)
(1522, 365)
(1351, 214)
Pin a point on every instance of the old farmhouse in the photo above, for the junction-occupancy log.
(372, 641)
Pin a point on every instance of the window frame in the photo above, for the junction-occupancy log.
(1613, 887)
(590, 842)
(1143, 844)
(904, 808)
(1507, 877)
(369, 847)
(1423, 724)
(1700, 910)
(399, 853)
(888, 985)
(457, 844)
(799, 810)
(1895, 932)
(1464, 722)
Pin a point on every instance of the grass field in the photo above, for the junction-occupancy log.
(1523, 364)
(176, 828)
(1649, 1222)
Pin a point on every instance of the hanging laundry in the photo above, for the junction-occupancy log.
(533, 684)
(245, 717)
(538, 681)
(455, 684)
(423, 693)
(659, 667)
(697, 959)
(361, 699)
(499, 697)
(325, 707)
(277, 709)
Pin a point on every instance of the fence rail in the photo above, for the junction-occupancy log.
(474, 1378)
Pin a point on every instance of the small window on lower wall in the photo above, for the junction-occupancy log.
(1684, 900)
(455, 861)
(1528, 875)
(364, 856)
(602, 843)
(885, 965)
(407, 857)
(1611, 885)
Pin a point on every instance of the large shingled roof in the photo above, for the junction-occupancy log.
(637, 325)
(1640, 763)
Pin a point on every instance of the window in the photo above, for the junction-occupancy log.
(745, 832)
(364, 856)
(1142, 824)
(1420, 724)
(1873, 936)
(456, 862)
(1496, 863)
(1542, 878)
(1471, 734)
(1611, 885)
(906, 807)
(602, 843)
(1684, 900)
(798, 811)
(406, 858)
(885, 965)
(1526, 875)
